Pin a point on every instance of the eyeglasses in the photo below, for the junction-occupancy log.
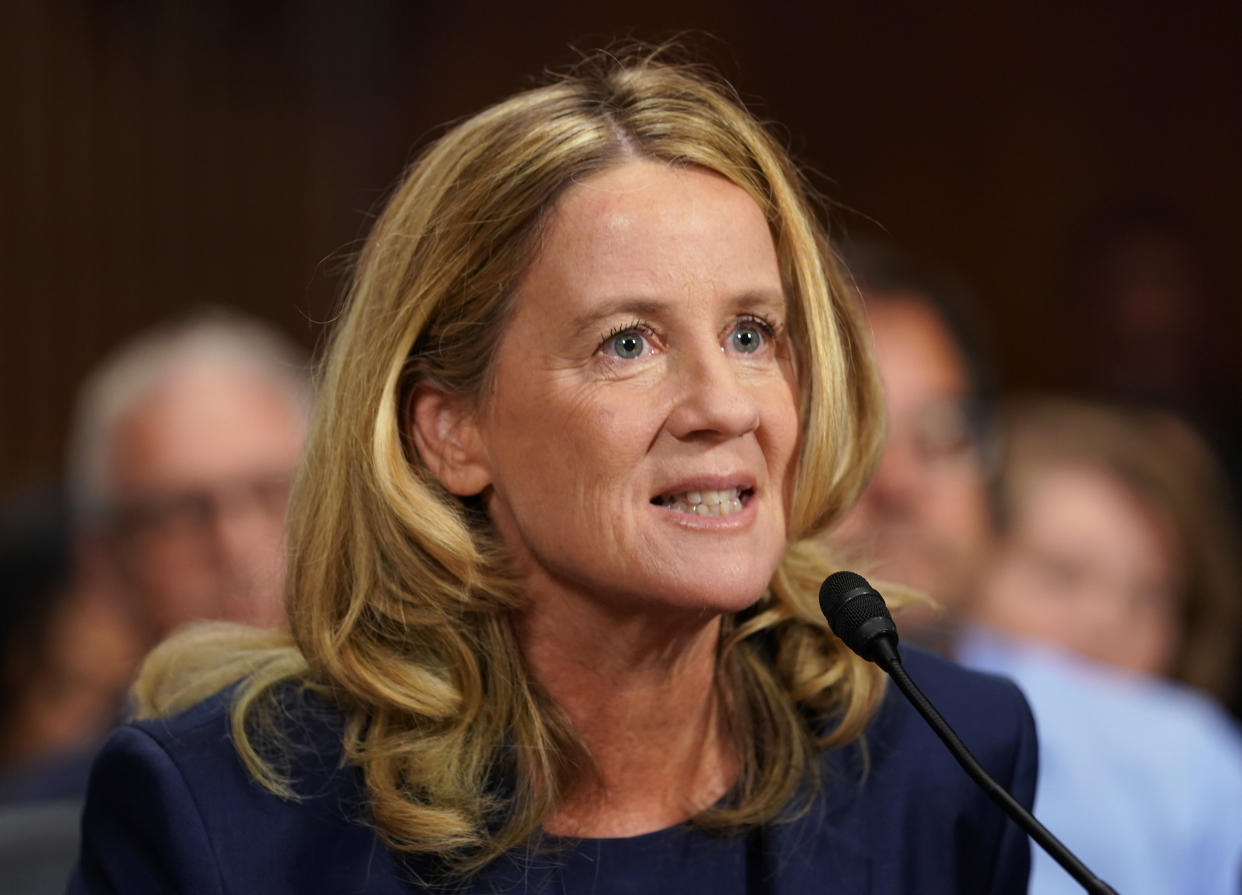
(192, 514)
(943, 432)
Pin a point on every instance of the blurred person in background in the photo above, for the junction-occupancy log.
(66, 653)
(1140, 777)
(924, 520)
(66, 657)
(1143, 277)
(183, 447)
(1117, 542)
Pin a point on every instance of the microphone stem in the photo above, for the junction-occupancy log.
(889, 660)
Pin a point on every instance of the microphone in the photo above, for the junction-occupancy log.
(859, 616)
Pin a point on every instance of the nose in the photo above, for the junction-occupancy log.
(713, 401)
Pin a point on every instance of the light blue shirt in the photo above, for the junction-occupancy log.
(1139, 777)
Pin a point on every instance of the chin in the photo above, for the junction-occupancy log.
(716, 598)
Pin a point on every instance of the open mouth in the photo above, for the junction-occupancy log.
(724, 502)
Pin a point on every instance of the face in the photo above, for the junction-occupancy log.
(1089, 567)
(638, 444)
(923, 519)
(199, 472)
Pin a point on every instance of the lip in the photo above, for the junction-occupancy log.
(741, 481)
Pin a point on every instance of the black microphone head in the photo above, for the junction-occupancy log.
(856, 612)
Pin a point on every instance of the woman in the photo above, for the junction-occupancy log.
(1114, 563)
(1117, 543)
(552, 580)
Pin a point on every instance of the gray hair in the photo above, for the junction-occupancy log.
(131, 372)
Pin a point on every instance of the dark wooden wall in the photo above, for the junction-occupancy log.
(157, 155)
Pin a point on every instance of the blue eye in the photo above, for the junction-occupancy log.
(747, 338)
(628, 345)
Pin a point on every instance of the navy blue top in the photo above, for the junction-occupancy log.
(679, 859)
(171, 809)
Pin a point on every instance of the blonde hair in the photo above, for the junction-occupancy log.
(1158, 458)
(399, 597)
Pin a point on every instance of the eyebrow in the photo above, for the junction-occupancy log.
(763, 300)
(637, 307)
(759, 300)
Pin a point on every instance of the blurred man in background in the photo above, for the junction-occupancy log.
(1141, 778)
(924, 519)
(183, 447)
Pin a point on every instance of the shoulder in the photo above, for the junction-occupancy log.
(1163, 763)
(902, 801)
(987, 710)
(304, 735)
(198, 747)
(171, 807)
(1080, 703)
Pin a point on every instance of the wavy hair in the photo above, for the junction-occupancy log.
(400, 600)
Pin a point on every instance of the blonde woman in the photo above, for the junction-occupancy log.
(553, 564)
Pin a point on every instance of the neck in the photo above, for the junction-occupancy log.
(640, 689)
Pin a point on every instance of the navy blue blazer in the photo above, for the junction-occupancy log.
(171, 809)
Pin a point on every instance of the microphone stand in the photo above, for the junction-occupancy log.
(884, 654)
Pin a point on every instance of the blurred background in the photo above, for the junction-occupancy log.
(158, 155)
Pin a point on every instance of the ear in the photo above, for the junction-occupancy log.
(447, 439)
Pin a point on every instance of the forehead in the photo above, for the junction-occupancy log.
(646, 228)
(205, 422)
(918, 359)
(1084, 505)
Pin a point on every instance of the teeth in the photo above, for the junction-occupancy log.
(704, 503)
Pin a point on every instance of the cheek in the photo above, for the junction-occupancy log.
(960, 503)
(594, 438)
(1155, 636)
(782, 442)
(1014, 596)
(565, 451)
